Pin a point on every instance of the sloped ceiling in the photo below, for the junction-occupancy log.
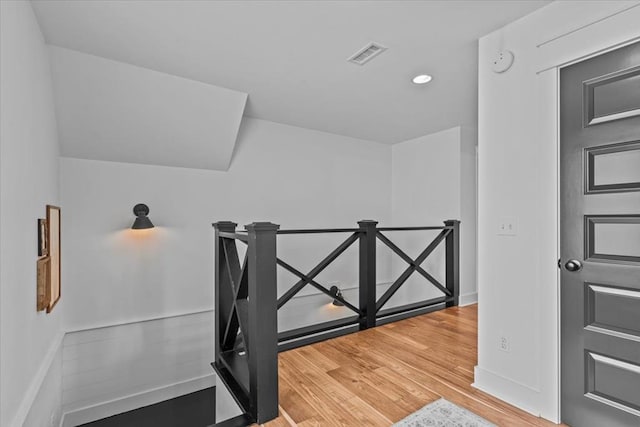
(108, 110)
(290, 56)
(113, 111)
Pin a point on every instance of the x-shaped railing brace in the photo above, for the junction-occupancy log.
(306, 279)
(238, 281)
(414, 265)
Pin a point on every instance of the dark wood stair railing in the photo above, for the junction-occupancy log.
(246, 329)
(246, 302)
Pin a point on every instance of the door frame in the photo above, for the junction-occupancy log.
(548, 78)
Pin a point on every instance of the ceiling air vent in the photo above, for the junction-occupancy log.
(367, 53)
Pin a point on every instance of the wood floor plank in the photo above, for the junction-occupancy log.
(316, 392)
(317, 358)
(424, 394)
(342, 357)
(379, 376)
(366, 414)
(464, 397)
(451, 380)
(377, 398)
(293, 402)
(429, 360)
(340, 396)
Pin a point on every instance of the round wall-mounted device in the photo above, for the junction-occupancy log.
(502, 61)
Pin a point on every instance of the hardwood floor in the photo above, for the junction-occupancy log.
(379, 376)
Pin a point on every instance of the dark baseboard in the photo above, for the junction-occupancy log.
(239, 421)
(194, 410)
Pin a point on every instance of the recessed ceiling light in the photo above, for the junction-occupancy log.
(422, 79)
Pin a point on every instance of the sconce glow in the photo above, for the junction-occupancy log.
(142, 221)
(422, 79)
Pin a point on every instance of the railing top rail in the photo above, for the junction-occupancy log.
(319, 230)
(240, 236)
(359, 230)
(439, 227)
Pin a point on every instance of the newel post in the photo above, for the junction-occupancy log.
(453, 261)
(222, 289)
(262, 348)
(367, 273)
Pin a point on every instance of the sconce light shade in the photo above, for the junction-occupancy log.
(142, 220)
(336, 293)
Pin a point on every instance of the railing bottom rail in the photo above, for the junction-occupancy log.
(410, 310)
(299, 337)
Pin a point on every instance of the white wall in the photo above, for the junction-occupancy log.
(434, 179)
(426, 179)
(291, 176)
(28, 182)
(46, 409)
(287, 175)
(518, 177)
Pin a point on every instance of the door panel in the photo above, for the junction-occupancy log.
(612, 96)
(613, 309)
(612, 168)
(600, 233)
(613, 381)
(614, 239)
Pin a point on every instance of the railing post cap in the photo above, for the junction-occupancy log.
(452, 222)
(224, 224)
(262, 226)
(368, 222)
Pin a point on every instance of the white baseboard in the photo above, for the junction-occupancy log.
(135, 401)
(512, 392)
(36, 383)
(468, 299)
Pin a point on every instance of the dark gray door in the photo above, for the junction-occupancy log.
(600, 240)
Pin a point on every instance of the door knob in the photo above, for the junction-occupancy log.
(573, 265)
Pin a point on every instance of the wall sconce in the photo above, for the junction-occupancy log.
(335, 292)
(142, 220)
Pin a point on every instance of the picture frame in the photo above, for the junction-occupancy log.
(53, 288)
(43, 271)
(43, 244)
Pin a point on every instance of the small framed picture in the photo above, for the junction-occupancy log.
(43, 243)
(44, 267)
(52, 294)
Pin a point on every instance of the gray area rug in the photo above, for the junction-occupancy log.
(443, 413)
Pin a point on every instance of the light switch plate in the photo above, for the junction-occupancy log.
(508, 226)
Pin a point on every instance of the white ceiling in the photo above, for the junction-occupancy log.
(290, 56)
